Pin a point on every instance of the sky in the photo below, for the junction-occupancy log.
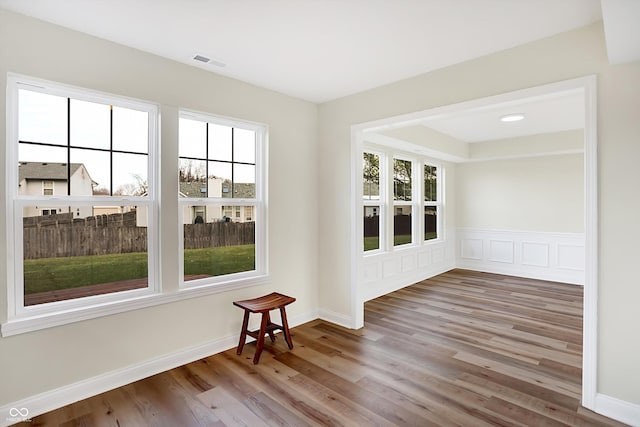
(43, 118)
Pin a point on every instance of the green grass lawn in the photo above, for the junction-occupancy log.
(48, 274)
(371, 243)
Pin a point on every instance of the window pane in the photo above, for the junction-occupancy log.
(48, 188)
(130, 130)
(42, 118)
(216, 244)
(401, 179)
(193, 178)
(40, 154)
(402, 225)
(244, 177)
(90, 124)
(192, 136)
(219, 142)
(70, 253)
(430, 222)
(244, 146)
(130, 174)
(90, 172)
(430, 183)
(371, 176)
(371, 228)
(32, 173)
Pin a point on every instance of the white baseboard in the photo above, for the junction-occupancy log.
(620, 410)
(338, 318)
(65, 395)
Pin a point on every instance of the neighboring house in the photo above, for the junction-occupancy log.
(50, 179)
(218, 187)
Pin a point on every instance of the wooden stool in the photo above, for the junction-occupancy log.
(264, 305)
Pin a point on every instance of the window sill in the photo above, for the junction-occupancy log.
(35, 322)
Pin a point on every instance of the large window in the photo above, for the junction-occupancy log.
(221, 199)
(81, 170)
(396, 188)
(431, 202)
(402, 202)
(371, 200)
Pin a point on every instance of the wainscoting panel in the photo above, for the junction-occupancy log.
(535, 254)
(471, 248)
(539, 255)
(501, 251)
(382, 273)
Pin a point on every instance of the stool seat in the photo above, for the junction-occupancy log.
(263, 305)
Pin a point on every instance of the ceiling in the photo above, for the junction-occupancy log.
(318, 50)
(558, 112)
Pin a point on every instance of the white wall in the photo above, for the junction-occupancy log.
(530, 194)
(41, 361)
(565, 56)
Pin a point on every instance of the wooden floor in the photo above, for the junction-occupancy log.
(461, 349)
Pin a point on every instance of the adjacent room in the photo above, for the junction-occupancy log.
(435, 198)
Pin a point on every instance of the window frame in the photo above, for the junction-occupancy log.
(21, 318)
(438, 203)
(258, 204)
(387, 203)
(380, 203)
(415, 194)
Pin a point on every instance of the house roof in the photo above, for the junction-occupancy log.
(193, 189)
(241, 190)
(51, 171)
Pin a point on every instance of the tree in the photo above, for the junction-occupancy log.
(138, 188)
(371, 174)
(402, 179)
(191, 171)
(100, 191)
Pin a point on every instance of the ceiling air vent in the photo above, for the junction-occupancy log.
(201, 58)
(209, 61)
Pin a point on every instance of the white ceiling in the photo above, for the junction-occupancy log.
(543, 114)
(622, 27)
(318, 50)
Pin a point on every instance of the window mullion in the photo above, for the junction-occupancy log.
(68, 146)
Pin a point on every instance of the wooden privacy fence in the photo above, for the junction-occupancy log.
(401, 224)
(215, 234)
(63, 236)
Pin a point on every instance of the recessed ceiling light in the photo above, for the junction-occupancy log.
(513, 117)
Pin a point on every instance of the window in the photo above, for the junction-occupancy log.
(402, 202)
(397, 188)
(371, 199)
(220, 169)
(47, 188)
(93, 243)
(431, 202)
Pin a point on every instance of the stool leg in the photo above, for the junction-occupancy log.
(271, 335)
(260, 344)
(285, 328)
(243, 333)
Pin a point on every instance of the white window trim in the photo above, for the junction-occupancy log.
(260, 274)
(380, 203)
(64, 312)
(415, 196)
(439, 203)
(22, 319)
(387, 203)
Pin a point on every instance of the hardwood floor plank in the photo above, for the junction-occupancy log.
(463, 348)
